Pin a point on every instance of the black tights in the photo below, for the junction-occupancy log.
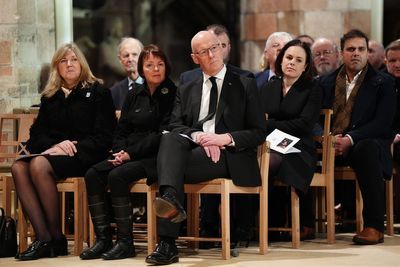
(36, 187)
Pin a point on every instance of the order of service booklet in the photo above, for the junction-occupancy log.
(282, 142)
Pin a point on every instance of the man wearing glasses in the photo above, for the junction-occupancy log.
(216, 125)
(325, 56)
(225, 44)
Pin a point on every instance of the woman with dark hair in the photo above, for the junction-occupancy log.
(72, 132)
(292, 104)
(144, 116)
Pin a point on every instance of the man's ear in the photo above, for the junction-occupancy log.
(194, 58)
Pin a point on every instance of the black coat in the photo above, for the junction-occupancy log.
(238, 113)
(143, 119)
(373, 111)
(295, 114)
(87, 116)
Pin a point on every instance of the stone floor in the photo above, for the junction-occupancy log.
(311, 253)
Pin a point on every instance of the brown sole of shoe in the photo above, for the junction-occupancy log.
(359, 241)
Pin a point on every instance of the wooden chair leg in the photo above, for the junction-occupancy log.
(295, 218)
(263, 225)
(193, 205)
(389, 207)
(225, 221)
(151, 220)
(78, 212)
(330, 213)
(359, 209)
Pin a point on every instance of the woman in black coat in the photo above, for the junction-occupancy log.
(73, 130)
(144, 116)
(292, 104)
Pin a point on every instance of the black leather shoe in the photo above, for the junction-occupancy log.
(164, 253)
(119, 251)
(169, 207)
(96, 250)
(61, 246)
(38, 249)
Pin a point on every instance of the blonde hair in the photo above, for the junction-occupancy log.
(55, 81)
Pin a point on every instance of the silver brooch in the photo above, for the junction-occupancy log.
(164, 90)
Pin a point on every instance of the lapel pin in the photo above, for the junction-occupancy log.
(88, 94)
(164, 90)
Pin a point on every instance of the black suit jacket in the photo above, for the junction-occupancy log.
(373, 111)
(295, 114)
(119, 92)
(238, 113)
(196, 73)
(87, 115)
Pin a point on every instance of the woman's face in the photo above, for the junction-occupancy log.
(294, 62)
(154, 70)
(69, 69)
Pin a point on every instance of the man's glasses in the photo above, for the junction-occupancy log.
(324, 53)
(202, 53)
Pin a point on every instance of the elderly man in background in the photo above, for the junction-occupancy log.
(376, 55)
(273, 46)
(128, 55)
(325, 56)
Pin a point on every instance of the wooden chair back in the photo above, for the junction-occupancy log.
(323, 177)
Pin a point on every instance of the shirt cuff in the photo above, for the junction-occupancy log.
(232, 143)
(351, 139)
(194, 135)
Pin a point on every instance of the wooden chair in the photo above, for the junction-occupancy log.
(14, 132)
(322, 178)
(225, 187)
(347, 173)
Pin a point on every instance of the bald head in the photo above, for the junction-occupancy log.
(128, 54)
(376, 54)
(325, 56)
(206, 51)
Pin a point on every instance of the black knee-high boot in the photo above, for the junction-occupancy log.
(102, 228)
(124, 247)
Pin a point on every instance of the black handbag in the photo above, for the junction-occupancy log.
(8, 236)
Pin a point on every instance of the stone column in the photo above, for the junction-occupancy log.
(27, 42)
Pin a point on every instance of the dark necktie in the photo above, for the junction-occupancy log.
(212, 106)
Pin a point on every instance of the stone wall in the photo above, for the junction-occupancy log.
(317, 18)
(27, 43)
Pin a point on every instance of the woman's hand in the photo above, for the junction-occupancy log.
(68, 147)
(54, 151)
(119, 158)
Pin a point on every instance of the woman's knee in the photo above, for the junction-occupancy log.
(18, 168)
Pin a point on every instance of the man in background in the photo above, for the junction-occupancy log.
(325, 56)
(128, 55)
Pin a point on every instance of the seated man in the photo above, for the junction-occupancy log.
(221, 112)
(363, 102)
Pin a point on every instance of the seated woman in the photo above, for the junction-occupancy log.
(73, 131)
(292, 104)
(144, 116)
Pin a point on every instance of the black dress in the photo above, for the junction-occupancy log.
(87, 116)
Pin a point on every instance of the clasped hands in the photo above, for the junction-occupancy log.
(64, 148)
(342, 144)
(119, 158)
(213, 143)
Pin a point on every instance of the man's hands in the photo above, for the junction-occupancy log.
(213, 143)
(119, 158)
(342, 145)
(64, 148)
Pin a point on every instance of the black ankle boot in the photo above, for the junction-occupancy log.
(124, 247)
(102, 229)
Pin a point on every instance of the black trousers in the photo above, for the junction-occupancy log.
(364, 159)
(180, 161)
(119, 178)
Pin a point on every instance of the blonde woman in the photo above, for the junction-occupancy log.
(73, 131)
